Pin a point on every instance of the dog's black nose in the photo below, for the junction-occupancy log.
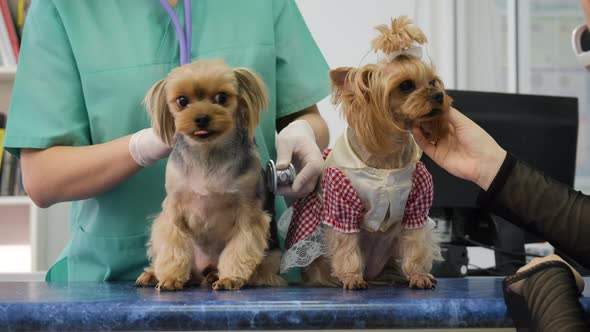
(202, 120)
(438, 97)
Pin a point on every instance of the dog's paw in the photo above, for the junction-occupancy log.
(421, 281)
(277, 281)
(146, 279)
(354, 283)
(228, 283)
(211, 277)
(170, 285)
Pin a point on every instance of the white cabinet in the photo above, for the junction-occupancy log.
(31, 238)
(20, 247)
(7, 73)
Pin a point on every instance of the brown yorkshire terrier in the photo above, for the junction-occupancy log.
(212, 228)
(371, 211)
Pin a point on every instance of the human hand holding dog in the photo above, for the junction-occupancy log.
(146, 147)
(468, 151)
(297, 141)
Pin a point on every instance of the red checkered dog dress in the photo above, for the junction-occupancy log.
(355, 196)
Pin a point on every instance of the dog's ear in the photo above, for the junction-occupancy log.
(253, 98)
(338, 77)
(346, 81)
(352, 82)
(157, 107)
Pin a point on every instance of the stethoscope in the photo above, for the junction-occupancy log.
(184, 36)
(274, 178)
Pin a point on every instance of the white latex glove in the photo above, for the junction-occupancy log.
(146, 148)
(297, 142)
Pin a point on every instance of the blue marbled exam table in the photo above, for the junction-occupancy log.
(469, 303)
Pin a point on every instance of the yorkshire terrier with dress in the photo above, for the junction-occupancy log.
(368, 220)
(213, 228)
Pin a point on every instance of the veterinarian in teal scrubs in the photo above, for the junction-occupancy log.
(84, 69)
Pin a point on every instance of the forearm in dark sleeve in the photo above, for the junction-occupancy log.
(543, 206)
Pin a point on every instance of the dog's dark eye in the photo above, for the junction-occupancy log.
(182, 101)
(407, 86)
(433, 83)
(220, 98)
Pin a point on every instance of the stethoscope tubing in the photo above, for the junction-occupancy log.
(184, 36)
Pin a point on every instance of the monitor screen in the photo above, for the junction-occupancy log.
(540, 130)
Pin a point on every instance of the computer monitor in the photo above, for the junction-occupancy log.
(541, 130)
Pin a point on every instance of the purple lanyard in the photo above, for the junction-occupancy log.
(184, 37)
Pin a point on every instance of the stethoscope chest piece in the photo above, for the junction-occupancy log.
(276, 178)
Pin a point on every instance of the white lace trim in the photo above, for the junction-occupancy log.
(305, 251)
(284, 222)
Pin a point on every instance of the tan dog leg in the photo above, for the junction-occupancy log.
(419, 249)
(267, 273)
(171, 251)
(245, 249)
(318, 273)
(346, 259)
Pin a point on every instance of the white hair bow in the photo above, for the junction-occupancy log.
(415, 51)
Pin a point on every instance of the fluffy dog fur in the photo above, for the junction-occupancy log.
(381, 102)
(212, 227)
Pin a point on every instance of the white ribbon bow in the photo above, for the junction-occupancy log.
(415, 51)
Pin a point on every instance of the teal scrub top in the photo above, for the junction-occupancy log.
(84, 69)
